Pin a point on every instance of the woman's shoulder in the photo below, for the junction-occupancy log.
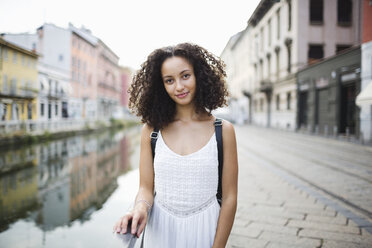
(227, 129)
(147, 130)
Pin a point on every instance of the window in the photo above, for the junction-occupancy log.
(73, 61)
(255, 105)
(288, 100)
(278, 23)
(50, 85)
(14, 57)
(261, 104)
(60, 58)
(268, 66)
(340, 48)
(269, 33)
(289, 14)
(289, 49)
(277, 102)
(5, 54)
(23, 60)
(344, 10)
(42, 109)
(315, 53)
(5, 83)
(255, 71)
(256, 44)
(261, 69)
(13, 87)
(41, 86)
(262, 38)
(316, 11)
(277, 51)
(56, 109)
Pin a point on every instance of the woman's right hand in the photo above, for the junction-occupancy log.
(138, 218)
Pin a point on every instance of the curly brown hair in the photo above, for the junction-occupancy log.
(149, 99)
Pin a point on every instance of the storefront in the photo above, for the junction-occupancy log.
(326, 95)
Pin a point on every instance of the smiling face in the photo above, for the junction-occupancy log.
(179, 80)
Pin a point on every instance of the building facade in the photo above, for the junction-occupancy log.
(364, 99)
(83, 100)
(18, 84)
(287, 36)
(239, 76)
(78, 78)
(108, 84)
(327, 92)
(53, 66)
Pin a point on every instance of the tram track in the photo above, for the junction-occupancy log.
(307, 152)
(266, 149)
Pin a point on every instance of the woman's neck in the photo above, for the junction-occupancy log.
(188, 113)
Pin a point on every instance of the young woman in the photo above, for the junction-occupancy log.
(175, 91)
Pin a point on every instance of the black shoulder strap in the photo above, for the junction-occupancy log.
(154, 138)
(218, 129)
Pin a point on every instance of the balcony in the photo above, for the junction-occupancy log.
(21, 93)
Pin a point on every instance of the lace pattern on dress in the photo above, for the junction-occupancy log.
(186, 213)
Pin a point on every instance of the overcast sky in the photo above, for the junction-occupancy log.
(133, 29)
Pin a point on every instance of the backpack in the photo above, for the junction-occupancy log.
(218, 130)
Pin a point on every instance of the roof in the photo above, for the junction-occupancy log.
(85, 34)
(260, 11)
(18, 48)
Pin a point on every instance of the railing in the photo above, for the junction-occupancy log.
(39, 127)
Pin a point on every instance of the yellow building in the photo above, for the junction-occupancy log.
(18, 83)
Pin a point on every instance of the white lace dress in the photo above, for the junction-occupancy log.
(185, 211)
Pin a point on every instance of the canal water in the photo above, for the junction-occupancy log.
(68, 192)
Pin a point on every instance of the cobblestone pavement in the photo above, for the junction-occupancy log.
(297, 190)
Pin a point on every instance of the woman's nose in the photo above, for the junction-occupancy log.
(179, 85)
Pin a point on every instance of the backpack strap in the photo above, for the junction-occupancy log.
(154, 138)
(218, 130)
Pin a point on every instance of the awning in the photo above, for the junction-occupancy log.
(365, 96)
(44, 83)
(67, 88)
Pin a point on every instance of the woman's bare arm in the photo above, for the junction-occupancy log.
(145, 195)
(229, 185)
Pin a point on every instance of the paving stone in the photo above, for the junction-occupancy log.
(278, 212)
(321, 234)
(243, 242)
(323, 226)
(274, 211)
(265, 219)
(274, 228)
(273, 244)
(289, 239)
(343, 244)
(339, 219)
(250, 232)
(310, 210)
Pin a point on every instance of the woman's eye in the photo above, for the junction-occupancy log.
(186, 76)
(169, 81)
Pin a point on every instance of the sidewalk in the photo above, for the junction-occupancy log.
(275, 212)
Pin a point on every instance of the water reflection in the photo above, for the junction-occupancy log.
(55, 183)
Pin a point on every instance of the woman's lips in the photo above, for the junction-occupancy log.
(183, 95)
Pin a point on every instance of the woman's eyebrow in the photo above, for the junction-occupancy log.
(184, 71)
